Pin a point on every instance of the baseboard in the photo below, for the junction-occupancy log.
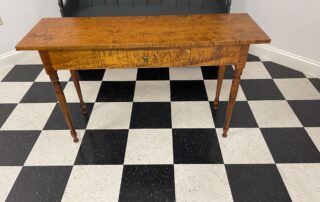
(18, 57)
(305, 65)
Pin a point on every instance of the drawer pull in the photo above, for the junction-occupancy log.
(145, 58)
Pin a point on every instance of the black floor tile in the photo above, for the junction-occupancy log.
(15, 146)
(41, 92)
(102, 147)
(188, 91)
(242, 116)
(308, 111)
(211, 72)
(23, 73)
(316, 83)
(278, 71)
(116, 91)
(253, 58)
(153, 74)
(91, 75)
(147, 183)
(40, 184)
(256, 183)
(56, 120)
(151, 115)
(291, 145)
(196, 146)
(261, 89)
(5, 110)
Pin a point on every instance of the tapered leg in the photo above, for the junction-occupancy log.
(221, 72)
(233, 95)
(76, 83)
(63, 103)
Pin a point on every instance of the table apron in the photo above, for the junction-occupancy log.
(96, 59)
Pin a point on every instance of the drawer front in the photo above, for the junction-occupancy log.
(94, 59)
(75, 59)
(145, 58)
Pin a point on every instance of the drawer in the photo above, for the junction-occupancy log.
(145, 58)
(75, 59)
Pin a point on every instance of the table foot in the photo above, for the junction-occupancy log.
(225, 132)
(215, 104)
(84, 108)
(74, 136)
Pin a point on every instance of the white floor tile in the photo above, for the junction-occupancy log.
(89, 91)
(314, 134)
(201, 183)
(29, 116)
(148, 146)
(301, 180)
(63, 75)
(211, 88)
(4, 70)
(185, 73)
(13, 92)
(129, 74)
(152, 91)
(54, 147)
(8, 175)
(94, 183)
(191, 115)
(271, 114)
(110, 115)
(244, 146)
(297, 89)
(255, 70)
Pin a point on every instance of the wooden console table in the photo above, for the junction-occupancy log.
(144, 41)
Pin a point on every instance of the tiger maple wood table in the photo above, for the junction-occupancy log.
(144, 41)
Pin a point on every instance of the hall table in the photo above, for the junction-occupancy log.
(143, 41)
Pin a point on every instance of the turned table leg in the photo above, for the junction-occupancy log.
(63, 103)
(76, 83)
(221, 72)
(232, 97)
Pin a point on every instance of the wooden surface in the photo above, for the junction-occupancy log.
(95, 59)
(143, 32)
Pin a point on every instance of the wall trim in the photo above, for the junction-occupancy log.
(17, 57)
(297, 62)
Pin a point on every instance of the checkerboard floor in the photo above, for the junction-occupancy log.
(152, 135)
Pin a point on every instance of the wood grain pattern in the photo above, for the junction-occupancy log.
(85, 59)
(215, 55)
(128, 32)
(95, 59)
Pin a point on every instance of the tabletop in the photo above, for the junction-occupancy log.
(136, 32)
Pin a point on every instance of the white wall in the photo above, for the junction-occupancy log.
(19, 16)
(293, 25)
